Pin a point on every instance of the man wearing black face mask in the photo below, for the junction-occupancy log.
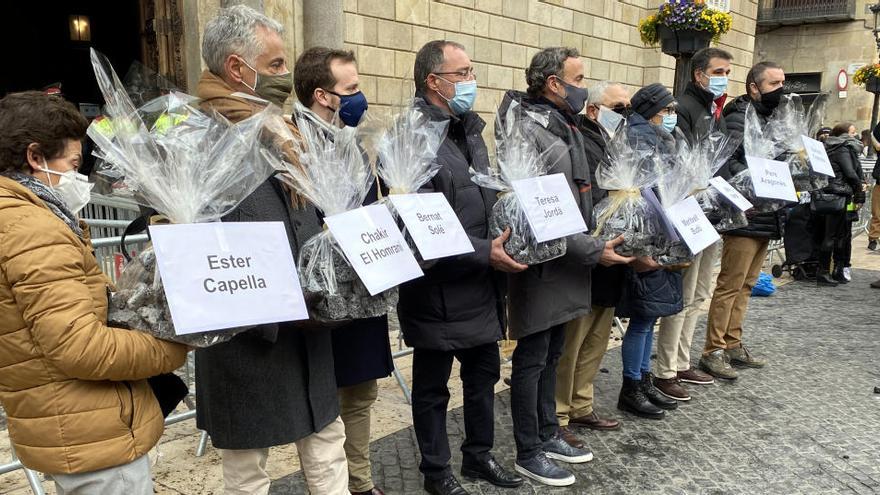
(744, 249)
(327, 86)
(544, 298)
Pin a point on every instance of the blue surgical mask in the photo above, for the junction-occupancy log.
(669, 122)
(351, 107)
(609, 119)
(717, 85)
(465, 94)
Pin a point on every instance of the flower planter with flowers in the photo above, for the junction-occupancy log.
(683, 27)
(869, 77)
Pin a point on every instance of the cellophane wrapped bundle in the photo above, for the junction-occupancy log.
(334, 174)
(786, 126)
(189, 166)
(701, 161)
(757, 142)
(406, 154)
(629, 167)
(517, 157)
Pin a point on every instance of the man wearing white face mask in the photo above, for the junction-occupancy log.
(454, 312)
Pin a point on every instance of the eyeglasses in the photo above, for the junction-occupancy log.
(464, 74)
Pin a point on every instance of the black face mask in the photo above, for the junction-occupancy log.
(771, 100)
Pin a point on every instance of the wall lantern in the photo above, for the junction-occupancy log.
(80, 29)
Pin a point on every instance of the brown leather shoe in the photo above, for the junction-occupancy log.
(695, 376)
(594, 422)
(570, 438)
(671, 387)
(375, 491)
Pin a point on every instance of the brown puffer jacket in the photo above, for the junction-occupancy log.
(74, 389)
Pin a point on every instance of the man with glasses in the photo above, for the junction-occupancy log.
(586, 338)
(455, 311)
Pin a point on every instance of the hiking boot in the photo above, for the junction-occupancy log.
(654, 395)
(543, 470)
(570, 438)
(671, 387)
(557, 448)
(633, 400)
(872, 244)
(716, 364)
(695, 376)
(741, 356)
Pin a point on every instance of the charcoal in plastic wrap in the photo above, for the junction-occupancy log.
(521, 245)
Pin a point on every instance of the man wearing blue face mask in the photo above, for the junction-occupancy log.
(705, 94)
(455, 311)
(327, 86)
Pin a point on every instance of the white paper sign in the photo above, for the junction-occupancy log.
(818, 156)
(730, 193)
(771, 179)
(433, 224)
(374, 246)
(224, 275)
(692, 224)
(549, 206)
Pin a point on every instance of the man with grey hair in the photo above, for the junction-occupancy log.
(546, 297)
(586, 338)
(273, 384)
(454, 312)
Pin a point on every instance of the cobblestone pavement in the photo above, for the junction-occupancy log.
(808, 423)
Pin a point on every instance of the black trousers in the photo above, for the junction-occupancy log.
(834, 235)
(480, 370)
(533, 389)
(843, 248)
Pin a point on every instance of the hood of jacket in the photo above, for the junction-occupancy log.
(833, 143)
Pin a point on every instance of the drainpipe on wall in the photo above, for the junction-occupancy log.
(323, 23)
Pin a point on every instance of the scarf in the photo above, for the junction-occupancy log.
(48, 195)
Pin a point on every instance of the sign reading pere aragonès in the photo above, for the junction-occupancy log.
(374, 246)
(549, 206)
(223, 275)
(771, 179)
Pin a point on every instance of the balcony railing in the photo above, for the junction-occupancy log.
(779, 12)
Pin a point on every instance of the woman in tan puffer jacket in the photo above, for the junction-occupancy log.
(74, 390)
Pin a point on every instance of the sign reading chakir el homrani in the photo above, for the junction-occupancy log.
(374, 246)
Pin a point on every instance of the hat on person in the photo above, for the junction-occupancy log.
(649, 100)
(824, 130)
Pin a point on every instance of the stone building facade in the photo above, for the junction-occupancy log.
(814, 43)
(500, 35)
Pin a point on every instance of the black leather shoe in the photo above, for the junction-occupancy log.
(654, 395)
(492, 472)
(444, 486)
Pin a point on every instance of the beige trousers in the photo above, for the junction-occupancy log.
(741, 262)
(874, 230)
(321, 455)
(355, 403)
(677, 331)
(586, 340)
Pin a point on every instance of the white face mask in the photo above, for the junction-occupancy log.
(73, 188)
(609, 119)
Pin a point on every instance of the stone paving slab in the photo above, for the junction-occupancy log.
(809, 423)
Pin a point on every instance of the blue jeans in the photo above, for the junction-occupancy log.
(636, 349)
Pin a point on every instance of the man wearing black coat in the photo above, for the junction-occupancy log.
(699, 111)
(455, 310)
(273, 384)
(744, 249)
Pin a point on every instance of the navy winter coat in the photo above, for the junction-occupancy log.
(651, 294)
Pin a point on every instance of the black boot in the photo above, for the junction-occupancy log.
(654, 395)
(633, 400)
(839, 276)
(823, 279)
